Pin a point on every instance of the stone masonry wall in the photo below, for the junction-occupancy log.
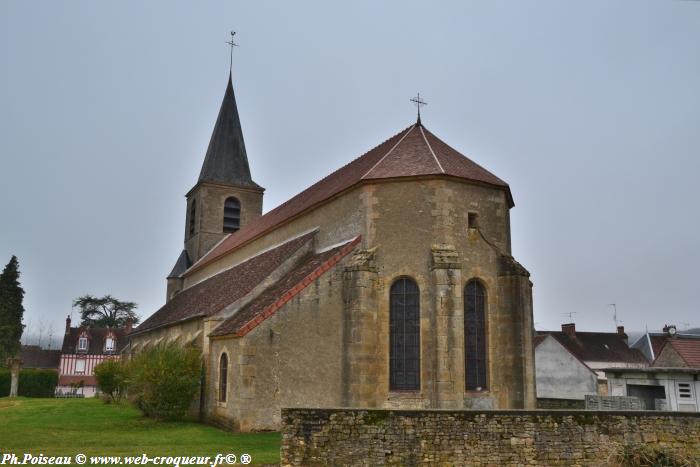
(480, 438)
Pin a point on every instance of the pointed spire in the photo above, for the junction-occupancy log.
(226, 160)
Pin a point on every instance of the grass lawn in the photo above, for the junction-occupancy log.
(88, 426)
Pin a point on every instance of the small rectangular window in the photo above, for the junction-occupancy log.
(80, 367)
(472, 220)
(685, 391)
(82, 343)
(109, 344)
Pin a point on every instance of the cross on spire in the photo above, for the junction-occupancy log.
(232, 44)
(418, 101)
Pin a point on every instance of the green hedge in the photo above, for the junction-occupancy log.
(32, 382)
(164, 380)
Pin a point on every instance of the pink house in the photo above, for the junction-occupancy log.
(83, 348)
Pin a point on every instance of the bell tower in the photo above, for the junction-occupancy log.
(225, 197)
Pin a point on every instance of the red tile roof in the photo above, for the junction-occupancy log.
(688, 349)
(412, 152)
(213, 294)
(598, 347)
(272, 299)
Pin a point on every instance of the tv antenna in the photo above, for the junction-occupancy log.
(570, 315)
(614, 307)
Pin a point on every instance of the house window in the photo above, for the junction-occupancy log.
(223, 377)
(80, 366)
(472, 220)
(404, 336)
(475, 336)
(109, 344)
(232, 214)
(82, 343)
(192, 216)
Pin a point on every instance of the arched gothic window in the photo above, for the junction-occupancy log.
(475, 336)
(223, 377)
(232, 214)
(404, 335)
(192, 215)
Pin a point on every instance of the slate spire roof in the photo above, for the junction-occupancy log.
(226, 160)
(414, 151)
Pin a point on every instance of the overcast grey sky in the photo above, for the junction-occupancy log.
(589, 110)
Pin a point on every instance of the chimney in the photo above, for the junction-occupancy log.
(128, 325)
(670, 330)
(621, 333)
(67, 324)
(569, 329)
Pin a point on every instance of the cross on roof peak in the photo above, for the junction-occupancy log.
(418, 101)
(232, 44)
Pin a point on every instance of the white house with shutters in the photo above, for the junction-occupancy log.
(83, 349)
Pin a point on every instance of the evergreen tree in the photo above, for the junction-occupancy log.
(11, 311)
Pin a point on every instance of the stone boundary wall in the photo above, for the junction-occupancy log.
(481, 438)
(544, 403)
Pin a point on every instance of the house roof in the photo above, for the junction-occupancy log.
(33, 356)
(310, 268)
(213, 294)
(598, 347)
(96, 340)
(226, 160)
(538, 339)
(657, 343)
(414, 151)
(688, 349)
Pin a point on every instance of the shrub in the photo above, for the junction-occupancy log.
(112, 378)
(32, 382)
(164, 380)
(648, 455)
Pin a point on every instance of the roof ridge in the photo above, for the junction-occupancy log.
(431, 148)
(389, 152)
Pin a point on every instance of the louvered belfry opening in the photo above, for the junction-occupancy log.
(475, 336)
(232, 214)
(404, 336)
(223, 377)
(193, 212)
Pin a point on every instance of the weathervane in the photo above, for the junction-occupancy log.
(418, 101)
(232, 44)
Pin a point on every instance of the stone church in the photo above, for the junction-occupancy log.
(389, 284)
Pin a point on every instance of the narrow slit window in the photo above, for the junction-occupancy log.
(472, 220)
(232, 215)
(223, 377)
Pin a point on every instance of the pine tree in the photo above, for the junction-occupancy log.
(11, 312)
